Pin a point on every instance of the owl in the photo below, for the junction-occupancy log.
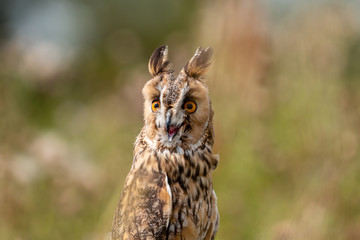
(168, 193)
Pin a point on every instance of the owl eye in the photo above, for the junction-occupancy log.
(190, 106)
(155, 105)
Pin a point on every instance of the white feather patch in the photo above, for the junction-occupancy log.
(169, 192)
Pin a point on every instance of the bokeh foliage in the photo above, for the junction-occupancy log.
(284, 85)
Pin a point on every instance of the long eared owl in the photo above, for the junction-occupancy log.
(168, 193)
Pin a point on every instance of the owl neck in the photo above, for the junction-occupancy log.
(178, 162)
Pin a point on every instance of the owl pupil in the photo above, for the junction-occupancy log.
(189, 106)
(156, 105)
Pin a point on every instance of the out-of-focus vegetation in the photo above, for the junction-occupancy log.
(285, 86)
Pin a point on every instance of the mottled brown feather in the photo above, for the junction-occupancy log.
(144, 208)
(168, 193)
(199, 63)
(158, 62)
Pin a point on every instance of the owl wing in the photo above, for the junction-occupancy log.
(144, 209)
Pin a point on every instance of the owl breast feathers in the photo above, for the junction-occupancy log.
(168, 193)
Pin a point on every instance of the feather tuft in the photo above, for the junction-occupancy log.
(158, 62)
(199, 63)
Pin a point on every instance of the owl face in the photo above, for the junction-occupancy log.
(177, 109)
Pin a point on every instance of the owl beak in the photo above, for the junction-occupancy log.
(172, 131)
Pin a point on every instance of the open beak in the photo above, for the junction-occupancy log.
(172, 131)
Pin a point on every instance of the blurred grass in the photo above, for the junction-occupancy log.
(285, 90)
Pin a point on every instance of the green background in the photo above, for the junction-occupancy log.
(284, 85)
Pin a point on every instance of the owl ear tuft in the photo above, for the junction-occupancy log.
(158, 62)
(199, 63)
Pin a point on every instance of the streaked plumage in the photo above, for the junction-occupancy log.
(168, 193)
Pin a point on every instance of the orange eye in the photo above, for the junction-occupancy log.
(155, 105)
(190, 106)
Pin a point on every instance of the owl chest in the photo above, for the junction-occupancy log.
(192, 213)
(193, 204)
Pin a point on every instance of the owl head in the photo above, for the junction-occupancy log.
(177, 109)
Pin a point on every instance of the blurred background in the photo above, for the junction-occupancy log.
(285, 86)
